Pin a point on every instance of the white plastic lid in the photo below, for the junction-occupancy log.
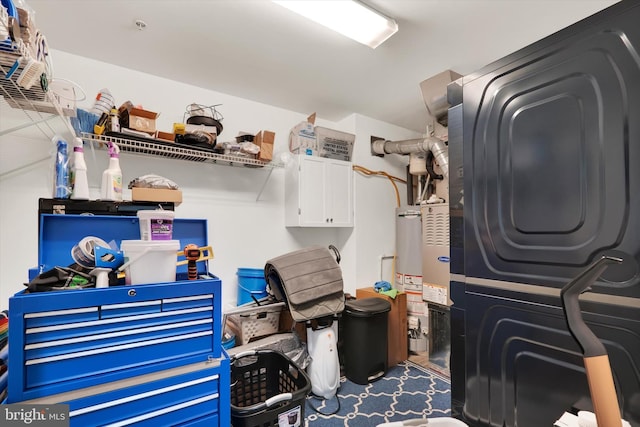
(155, 213)
(154, 245)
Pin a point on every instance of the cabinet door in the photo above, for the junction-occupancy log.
(339, 197)
(312, 191)
(319, 193)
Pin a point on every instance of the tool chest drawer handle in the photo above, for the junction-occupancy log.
(39, 314)
(115, 348)
(122, 319)
(163, 411)
(130, 304)
(115, 334)
(142, 396)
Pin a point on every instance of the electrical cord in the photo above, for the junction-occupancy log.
(313, 396)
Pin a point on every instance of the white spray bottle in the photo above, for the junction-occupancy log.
(111, 189)
(79, 182)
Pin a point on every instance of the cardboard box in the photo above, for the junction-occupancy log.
(265, 139)
(156, 195)
(418, 333)
(143, 120)
(166, 136)
(302, 137)
(334, 144)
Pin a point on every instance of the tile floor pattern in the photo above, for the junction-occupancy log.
(407, 391)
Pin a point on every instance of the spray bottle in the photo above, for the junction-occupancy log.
(79, 182)
(112, 176)
(61, 182)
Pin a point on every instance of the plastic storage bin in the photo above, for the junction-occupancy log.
(365, 339)
(267, 389)
(156, 224)
(254, 325)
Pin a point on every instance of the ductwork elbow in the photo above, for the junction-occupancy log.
(437, 147)
(440, 152)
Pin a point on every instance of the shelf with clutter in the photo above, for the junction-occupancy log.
(195, 138)
(161, 148)
(131, 129)
(29, 94)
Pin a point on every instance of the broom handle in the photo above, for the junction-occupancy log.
(603, 392)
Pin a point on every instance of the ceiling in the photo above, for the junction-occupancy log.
(257, 50)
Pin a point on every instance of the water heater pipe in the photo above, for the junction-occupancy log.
(436, 146)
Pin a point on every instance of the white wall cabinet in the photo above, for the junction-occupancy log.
(318, 192)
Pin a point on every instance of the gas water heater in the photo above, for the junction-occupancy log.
(409, 275)
(408, 248)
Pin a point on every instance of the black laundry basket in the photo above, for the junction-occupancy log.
(267, 385)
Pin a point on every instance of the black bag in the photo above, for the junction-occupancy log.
(60, 279)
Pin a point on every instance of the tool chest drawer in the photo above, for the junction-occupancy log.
(68, 340)
(190, 395)
(170, 401)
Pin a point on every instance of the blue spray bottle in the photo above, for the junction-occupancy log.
(61, 178)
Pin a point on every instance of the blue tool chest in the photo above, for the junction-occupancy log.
(196, 394)
(150, 354)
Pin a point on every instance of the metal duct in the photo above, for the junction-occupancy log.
(434, 93)
(437, 147)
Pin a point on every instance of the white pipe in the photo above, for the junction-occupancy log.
(437, 147)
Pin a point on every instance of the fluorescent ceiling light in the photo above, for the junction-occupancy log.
(348, 17)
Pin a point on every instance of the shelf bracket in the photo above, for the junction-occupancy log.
(264, 184)
(26, 125)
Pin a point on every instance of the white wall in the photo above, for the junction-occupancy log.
(243, 231)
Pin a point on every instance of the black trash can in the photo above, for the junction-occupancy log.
(365, 339)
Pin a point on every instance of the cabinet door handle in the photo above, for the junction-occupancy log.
(327, 219)
(331, 219)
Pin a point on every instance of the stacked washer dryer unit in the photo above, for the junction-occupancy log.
(549, 141)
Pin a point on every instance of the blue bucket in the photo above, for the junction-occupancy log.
(251, 283)
(229, 343)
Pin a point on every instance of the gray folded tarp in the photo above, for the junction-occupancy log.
(309, 280)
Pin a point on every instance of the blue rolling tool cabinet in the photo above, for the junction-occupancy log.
(142, 354)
